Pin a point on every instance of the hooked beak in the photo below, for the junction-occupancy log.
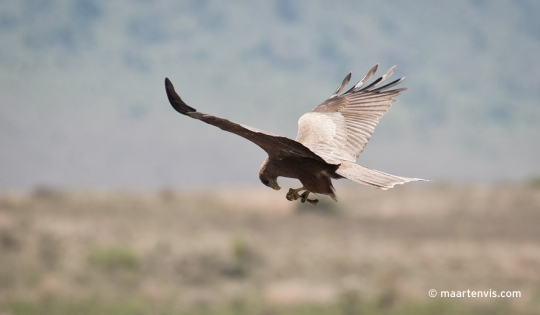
(274, 185)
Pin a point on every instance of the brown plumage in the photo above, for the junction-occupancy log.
(330, 138)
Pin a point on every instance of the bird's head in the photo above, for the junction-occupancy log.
(269, 181)
(268, 176)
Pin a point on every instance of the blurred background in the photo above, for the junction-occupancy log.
(111, 202)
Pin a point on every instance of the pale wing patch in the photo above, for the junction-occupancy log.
(314, 127)
(326, 135)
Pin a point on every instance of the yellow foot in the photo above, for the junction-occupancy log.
(293, 194)
(304, 198)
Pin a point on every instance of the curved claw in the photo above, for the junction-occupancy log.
(290, 195)
(293, 194)
(304, 198)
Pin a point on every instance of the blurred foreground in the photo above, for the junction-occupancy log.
(253, 252)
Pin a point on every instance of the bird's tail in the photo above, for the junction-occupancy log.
(373, 178)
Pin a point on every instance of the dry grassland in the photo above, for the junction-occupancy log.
(252, 252)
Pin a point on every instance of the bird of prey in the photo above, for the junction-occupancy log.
(330, 138)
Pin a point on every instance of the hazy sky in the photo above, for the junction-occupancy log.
(82, 102)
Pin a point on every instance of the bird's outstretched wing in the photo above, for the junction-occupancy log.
(339, 128)
(274, 145)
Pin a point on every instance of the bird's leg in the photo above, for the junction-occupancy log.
(304, 198)
(293, 193)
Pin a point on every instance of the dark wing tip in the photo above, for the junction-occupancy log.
(373, 86)
(175, 100)
(342, 85)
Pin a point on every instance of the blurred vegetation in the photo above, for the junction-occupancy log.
(325, 206)
(244, 259)
(534, 181)
(90, 307)
(177, 253)
(113, 258)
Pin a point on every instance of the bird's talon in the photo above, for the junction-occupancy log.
(304, 196)
(293, 194)
(313, 202)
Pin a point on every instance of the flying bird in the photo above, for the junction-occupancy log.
(330, 138)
